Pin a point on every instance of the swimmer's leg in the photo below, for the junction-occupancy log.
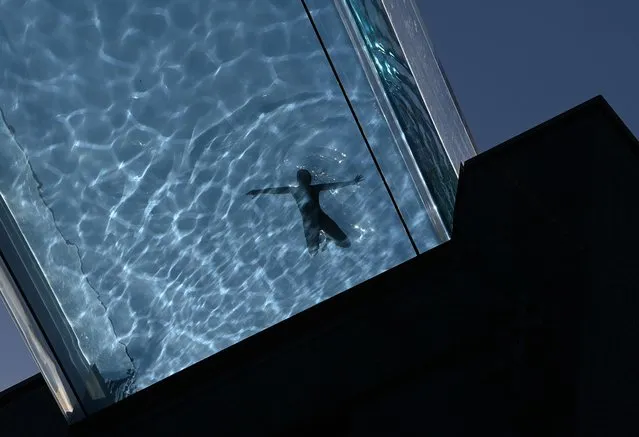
(312, 234)
(333, 230)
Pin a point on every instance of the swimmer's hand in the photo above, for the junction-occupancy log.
(359, 178)
(253, 193)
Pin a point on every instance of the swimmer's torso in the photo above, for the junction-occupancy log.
(307, 199)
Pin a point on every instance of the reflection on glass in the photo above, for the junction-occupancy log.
(131, 134)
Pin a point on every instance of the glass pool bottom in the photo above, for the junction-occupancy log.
(131, 135)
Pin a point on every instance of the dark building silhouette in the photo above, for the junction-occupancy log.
(524, 324)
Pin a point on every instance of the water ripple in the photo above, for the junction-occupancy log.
(146, 122)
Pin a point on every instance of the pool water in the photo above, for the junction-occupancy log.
(132, 132)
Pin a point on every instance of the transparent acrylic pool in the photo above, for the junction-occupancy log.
(132, 132)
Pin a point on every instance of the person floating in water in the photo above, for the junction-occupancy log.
(314, 218)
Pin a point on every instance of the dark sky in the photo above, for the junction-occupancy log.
(512, 65)
(515, 64)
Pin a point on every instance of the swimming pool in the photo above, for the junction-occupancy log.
(132, 132)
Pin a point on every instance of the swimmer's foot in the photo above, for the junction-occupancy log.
(323, 242)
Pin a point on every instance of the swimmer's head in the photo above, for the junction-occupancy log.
(304, 177)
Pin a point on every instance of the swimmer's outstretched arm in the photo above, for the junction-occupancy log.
(330, 186)
(275, 190)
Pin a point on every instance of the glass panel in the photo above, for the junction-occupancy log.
(132, 133)
(366, 103)
(423, 145)
(412, 94)
(405, 28)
